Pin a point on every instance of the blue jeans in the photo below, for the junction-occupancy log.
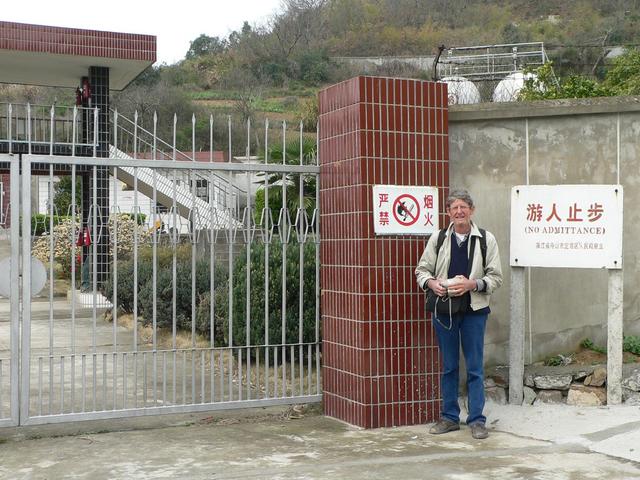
(468, 329)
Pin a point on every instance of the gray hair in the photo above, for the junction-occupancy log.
(459, 194)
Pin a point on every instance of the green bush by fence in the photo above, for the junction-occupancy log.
(251, 333)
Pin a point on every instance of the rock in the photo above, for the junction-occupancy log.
(581, 374)
(629, 397)
(496, 394)
(586, 396)
(632, 382)
(529, 396)
(499, 374)
(553, 382)
(528, 380)
(489, 383)
(597, 378)
(549, 396)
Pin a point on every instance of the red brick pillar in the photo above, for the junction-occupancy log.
(380, 359)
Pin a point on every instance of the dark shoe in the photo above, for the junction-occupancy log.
(444, 425)
(478, 430)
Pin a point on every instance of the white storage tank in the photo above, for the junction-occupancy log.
(461, 91)
(509, 87)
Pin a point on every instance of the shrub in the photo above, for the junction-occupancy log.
(631, 343)
(65, 233)
(125, 282)
(257, 329)
(40, 222)
(164, 293)
(220, 314)
(63, 238)
(164, 285)
(589, 345)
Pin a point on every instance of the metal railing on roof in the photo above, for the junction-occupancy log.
(47, 125)
(491, 62)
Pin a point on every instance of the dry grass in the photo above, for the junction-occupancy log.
(257, 378)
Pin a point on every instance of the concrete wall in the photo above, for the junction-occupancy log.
(569, 142)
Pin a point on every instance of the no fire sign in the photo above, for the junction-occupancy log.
(402, 210)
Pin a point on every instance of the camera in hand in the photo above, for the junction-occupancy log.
(450, 282)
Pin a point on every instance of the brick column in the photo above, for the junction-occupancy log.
(380, 359)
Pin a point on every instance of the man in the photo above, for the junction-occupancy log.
(473, 282)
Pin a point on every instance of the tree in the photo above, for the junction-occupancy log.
(291, 181)
(62, 195)
(544, 85)
(206, 45)
(624, 77)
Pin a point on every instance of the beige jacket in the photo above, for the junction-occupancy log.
(492, 274)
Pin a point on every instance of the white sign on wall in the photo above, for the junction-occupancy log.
(402, 210)
(575, 226)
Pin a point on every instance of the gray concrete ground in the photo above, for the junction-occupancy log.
(545, 442)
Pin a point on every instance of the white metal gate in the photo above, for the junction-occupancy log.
(179, 296)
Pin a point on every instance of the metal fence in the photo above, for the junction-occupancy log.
(168, 302)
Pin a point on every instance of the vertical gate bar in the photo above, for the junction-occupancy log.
(72, 368)
(211, 373)
(26, 284)
(9, 129)
(114, 311)
(212, 203)
(249, 239)
(221, 375)
(275, 371)
(257, 370)
(114, 368)
(184, 377)
(29, 128)
(284, 238)
(302, 226)
(50, 384)
(174, 267)
(154, 373)
(94, 388)
(144, 379)
(203, 369)
(194, 235)
(84, 383)
(230, 374)
(135, 263)
(73, 240)
(135, 379)
(193, 375)
(124, 380)
(292, 353)
(308, 389)
(40, 375)
(301, 366)
(104, 381)
(154, 275)
(94, 259)
(15, 285)
(240, 373)
(174, 244)
(62, 384)
(51, 257)
(174, 375)
(164, 378)
(231, 238)
(267, 242)
(115, 249)
(212, 262)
